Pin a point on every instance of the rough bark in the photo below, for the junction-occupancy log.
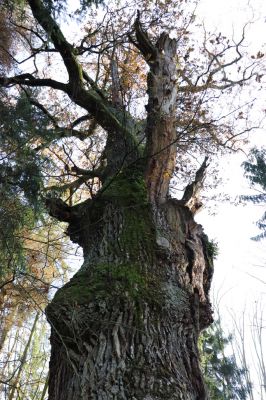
(126, 325)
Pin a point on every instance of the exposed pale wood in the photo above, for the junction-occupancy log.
(161, 111)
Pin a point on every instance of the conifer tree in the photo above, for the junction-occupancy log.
(255, 171)
(224, 378)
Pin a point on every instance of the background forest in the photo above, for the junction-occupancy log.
(50, 149)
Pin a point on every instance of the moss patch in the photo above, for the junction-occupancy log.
(127, 187)
(132, 276)
(128, 192)
(110, 283)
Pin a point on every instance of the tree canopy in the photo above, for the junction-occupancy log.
(103, 73)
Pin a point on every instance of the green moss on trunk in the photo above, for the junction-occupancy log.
(111, 283)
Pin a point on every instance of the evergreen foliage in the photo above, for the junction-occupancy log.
(223, 377)
(20, 179)
(255, 171)
(213, 248)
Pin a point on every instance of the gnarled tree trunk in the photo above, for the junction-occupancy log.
(126, 325)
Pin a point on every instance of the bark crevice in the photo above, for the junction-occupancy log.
(126, 325)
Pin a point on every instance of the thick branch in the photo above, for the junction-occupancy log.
(62, 132)
(58, 209)
(30, 80)
(143, 43)
(105, 114)
(44, 18)
(118, 123)
(88, 174)
(74, 185)
(93, 100)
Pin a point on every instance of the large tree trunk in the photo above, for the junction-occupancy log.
(126, 325)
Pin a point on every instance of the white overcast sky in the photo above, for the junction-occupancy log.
(233, 226)
(240, 270)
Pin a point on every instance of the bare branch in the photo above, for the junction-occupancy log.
(30, 80)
